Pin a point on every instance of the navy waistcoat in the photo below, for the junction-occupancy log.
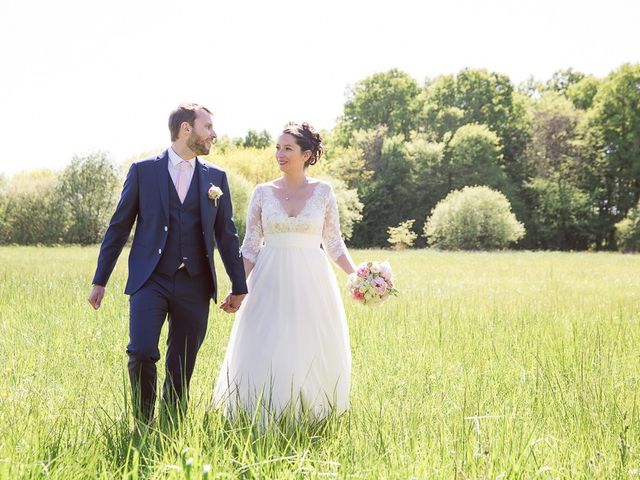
(185, 243)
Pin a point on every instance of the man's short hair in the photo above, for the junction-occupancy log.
(186, 112)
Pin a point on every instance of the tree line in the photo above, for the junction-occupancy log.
(565, 153)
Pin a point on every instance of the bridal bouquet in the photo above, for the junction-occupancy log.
(372, 283)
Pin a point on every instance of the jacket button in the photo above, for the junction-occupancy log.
(166, 228)
(159, 251)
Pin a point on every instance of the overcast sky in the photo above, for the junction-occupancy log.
(82, 75)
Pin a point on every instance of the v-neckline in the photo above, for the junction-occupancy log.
(304, 207)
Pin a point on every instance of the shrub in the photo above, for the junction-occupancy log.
(349, 206)
(241, 189)
(254, 139)
(89, 188)
(31, 210)
(255, 164)
(475, 157)
(474, 218)
(628, 231)
(401, 236)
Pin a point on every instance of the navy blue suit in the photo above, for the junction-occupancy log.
(168, 234)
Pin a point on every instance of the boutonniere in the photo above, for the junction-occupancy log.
(214, 193)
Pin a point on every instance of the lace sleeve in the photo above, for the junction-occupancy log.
(331, 236)
(253, 237)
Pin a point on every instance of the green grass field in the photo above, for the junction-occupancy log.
(488, 365)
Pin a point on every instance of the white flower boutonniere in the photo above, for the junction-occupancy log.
(214, 193)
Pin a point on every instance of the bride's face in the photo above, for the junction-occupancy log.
(289, 155)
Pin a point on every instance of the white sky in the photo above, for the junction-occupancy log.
(82, 75)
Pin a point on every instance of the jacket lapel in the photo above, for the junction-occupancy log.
(206, 205)
(162, 172)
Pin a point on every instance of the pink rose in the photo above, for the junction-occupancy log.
(363, 271)
(357, 295)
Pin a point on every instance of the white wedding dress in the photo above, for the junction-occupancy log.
(289, 347)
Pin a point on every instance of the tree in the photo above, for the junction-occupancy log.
(554, 134)
(474, 157)
(561, 210)
(562, 80)
(88, 187)
(253, 139)
(447, 121)
(431, 174)
(613, 137)
(583, 92)
(390, 99)
(482, 97)
(562, 213)
(474, 218)
(344, 163)
(389, 196)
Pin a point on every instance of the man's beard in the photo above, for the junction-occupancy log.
(198, 145)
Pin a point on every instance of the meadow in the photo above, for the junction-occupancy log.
(488, 365)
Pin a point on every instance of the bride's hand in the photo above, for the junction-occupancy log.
(232, 303)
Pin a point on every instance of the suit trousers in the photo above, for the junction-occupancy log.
(185, 301)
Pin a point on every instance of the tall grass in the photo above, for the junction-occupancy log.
(502, 365)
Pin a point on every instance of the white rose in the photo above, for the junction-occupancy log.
(385, 270)
(214, 193)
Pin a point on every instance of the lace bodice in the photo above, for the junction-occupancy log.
(319, 216)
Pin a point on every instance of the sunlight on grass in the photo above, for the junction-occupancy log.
(487, 365)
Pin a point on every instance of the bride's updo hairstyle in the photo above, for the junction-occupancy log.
(307, 139)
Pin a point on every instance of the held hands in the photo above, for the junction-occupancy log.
(232, 303)
(95, 296)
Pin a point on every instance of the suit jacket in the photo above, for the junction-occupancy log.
(145, 200)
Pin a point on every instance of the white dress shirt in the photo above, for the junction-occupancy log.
(174, 169)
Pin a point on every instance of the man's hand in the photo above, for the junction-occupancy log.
(232, 303)
(96, 296)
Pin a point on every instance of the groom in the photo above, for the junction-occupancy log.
(182, 209)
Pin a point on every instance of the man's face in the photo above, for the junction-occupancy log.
(202, 134)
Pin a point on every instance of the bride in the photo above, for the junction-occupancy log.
(289, 347)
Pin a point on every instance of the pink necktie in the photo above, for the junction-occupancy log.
(183, 180)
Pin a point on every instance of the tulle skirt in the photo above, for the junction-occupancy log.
(289, 346)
